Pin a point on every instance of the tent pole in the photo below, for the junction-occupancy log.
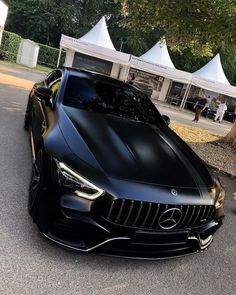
(59, 57)
(182, 105)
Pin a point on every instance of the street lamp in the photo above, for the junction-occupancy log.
(123, 40)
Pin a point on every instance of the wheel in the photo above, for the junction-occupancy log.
(36, 185)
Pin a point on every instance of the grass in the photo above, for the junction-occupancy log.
(44, 69)
(39, 68)
(194, 134)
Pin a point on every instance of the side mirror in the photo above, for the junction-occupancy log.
(166, 119)
(44, 94)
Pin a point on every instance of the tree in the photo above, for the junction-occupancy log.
(231, 136)
(44, 21)
(201, 25)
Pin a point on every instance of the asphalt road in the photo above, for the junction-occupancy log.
(186, 117)
(30, 264)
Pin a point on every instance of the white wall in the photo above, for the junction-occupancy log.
(69, 58)
(124, 71)
(164, 89)
(3, 17)
(115, 71)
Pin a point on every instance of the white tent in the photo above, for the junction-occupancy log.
(214, 86)
(3, 13)
(3, 17)
(212, 77)
(213, 71)
(94, 50)
(159, 54)
(99, 35)
(97, 43)
(158, 69)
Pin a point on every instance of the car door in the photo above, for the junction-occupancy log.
(39, 110)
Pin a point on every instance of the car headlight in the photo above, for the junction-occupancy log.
(76, 183)
(218, 194)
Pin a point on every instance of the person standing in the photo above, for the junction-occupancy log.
(220, 111)
(199, 106)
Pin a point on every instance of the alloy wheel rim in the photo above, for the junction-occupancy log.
(35, 179)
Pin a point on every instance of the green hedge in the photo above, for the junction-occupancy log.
(9, 47)
(49, 55)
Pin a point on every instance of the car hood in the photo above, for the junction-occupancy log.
(133, 150)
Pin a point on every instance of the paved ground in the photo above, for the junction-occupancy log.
(186, 117)
(29, 264)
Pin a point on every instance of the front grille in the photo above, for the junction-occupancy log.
(146, 215)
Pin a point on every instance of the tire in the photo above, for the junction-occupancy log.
(36, 186)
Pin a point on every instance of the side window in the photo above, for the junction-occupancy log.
(54, 86)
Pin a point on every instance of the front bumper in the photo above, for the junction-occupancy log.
(75, 227)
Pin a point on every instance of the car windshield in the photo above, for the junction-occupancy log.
(106, 98)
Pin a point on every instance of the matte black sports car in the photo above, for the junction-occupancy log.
(110, 176)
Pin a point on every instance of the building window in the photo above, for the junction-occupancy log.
(90, 63)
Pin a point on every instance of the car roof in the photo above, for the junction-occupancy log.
(98, 76)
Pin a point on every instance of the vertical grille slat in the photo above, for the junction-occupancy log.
(197, 214)
(209, 217)
(155, 216)
(191, 217)
(110, 211)
(184, 217)
(208, 213)
(204, 211)
(120, 211)
(138, 215)
(146, 215)
(129, 213)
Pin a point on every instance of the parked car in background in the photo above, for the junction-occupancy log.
(110, 176)
(209, 112)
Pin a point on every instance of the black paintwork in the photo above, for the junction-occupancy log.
(126, 158)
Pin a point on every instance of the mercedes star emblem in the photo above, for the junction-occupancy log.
(170, 218)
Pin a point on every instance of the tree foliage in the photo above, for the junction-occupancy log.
(201, 25)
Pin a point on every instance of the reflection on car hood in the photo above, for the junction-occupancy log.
(136, 151)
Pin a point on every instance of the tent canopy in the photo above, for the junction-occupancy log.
(159, 54)
(97, 43)
(214, 86)
(99, 35)
(3, 13)
(213, 71)
(94, 50)
(155, 68)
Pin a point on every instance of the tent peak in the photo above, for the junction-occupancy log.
(159, 54)
(213, 70)
(99, 35)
